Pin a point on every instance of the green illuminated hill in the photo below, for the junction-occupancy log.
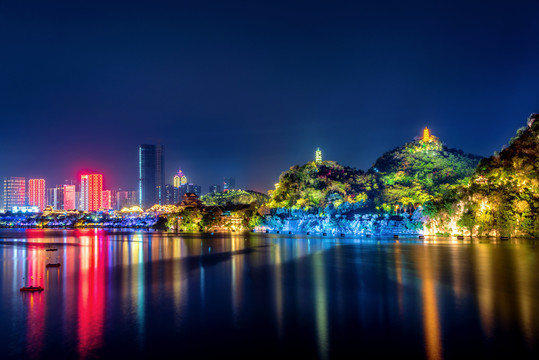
(418, 172)
(403, 178)
(318, 184)
(503, 197)
(234, 197)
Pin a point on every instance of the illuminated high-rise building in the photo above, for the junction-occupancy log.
(36, 193)
(69, 197)
(172, 194)
(215, 188)
(126, 199)
(14, 192)
(179, 179)
(91, 188)
(229, 184)
(59, 197)
(151, 161)
(106, 200)
(194, 189)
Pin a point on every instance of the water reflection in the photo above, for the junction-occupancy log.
(142, 294)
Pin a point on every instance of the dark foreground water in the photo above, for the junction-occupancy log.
(138, 294)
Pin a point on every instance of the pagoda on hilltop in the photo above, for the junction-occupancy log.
(318, 156)
(427, 141)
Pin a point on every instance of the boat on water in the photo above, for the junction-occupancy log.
(32, 288)
(53, 265)
(51, 249)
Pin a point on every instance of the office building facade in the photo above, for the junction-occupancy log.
(36, 193)
(69, 195)
(106, 201)
(229, 184)
(151, 175)
(14, 192)
(91, 189)
(194, 189)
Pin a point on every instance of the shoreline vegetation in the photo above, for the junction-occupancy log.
(420, 188)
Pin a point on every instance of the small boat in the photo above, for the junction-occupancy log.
(460, 237)
(51, 249)
(368, 235)
(324, 234)
(32, 288)
(53, 265)
(342, 235)
(395, 236)
(421, 236)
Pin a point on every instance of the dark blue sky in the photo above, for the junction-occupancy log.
(247, 89)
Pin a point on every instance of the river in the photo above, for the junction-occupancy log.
(146, 294)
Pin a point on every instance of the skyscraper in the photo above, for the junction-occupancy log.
(229, 184)
(126, 199)
(69, 197)
(106, 200)
(36, 193)
(172, 194)
(151, 163)
(59, 197)
(215, 188)
(14, 192)
(91, 188)
(195, 189)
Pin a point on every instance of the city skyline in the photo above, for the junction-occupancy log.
(249, 90)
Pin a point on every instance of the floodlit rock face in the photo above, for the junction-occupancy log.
(358, 224)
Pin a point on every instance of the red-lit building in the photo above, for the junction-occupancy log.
(69, 197)
(91, 189)
(106, 200)
(36, 193)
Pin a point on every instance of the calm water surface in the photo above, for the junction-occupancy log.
(139, 294)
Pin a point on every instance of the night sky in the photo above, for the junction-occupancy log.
(248, 89)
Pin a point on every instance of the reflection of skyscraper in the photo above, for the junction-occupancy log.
(229, 184)
(151, 175)
(36, 193)
(91, 188)
(14, 192)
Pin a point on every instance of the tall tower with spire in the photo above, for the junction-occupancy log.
(318, 155)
